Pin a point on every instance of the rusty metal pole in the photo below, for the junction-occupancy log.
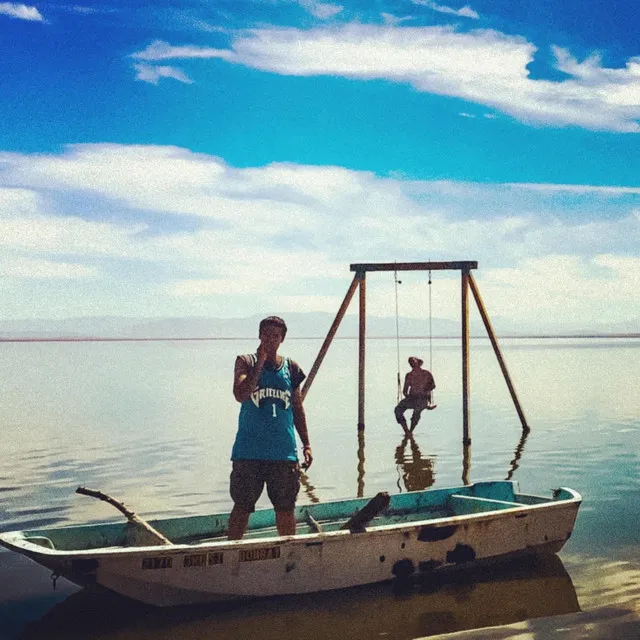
(361, 275)
(466, 437)
(496, 349)
(327, 341)
(466, 463)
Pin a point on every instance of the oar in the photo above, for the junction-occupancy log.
(358, 521)
(139, 531)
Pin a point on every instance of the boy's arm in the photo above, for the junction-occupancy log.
(300, 423)
(245, 377)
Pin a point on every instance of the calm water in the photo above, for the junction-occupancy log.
(152, 423)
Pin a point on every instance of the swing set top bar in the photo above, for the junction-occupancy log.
(464, 265)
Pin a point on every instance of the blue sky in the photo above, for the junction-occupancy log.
(225, 158)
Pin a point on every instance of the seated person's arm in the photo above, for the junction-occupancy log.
(407, 386)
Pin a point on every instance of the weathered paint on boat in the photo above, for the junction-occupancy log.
(419, 532)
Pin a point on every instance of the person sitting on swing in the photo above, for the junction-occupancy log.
(418, 385)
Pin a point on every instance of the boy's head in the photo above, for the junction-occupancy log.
(273, 321)
(415, 362)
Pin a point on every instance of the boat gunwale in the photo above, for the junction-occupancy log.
(17, 541)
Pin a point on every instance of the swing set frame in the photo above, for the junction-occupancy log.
(467, 282)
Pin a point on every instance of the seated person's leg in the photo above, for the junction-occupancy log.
(401, 407)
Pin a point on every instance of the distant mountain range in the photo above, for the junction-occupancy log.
(301, 325)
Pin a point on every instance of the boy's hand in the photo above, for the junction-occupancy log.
(308, 457)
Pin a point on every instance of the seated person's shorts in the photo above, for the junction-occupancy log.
(248, 478)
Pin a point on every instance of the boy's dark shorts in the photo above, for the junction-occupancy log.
(248, 478)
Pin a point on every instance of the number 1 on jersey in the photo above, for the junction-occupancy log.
(274, 409)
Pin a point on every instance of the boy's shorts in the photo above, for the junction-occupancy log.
(248, 478)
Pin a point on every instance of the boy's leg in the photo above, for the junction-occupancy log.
(245, 487)
(283, 485)
(238, 521)
(286, 523)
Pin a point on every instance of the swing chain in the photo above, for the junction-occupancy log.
(397, 282)
(430, 327)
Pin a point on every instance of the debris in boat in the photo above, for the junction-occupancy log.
(358, 521)
(313, 523)
(139, 532)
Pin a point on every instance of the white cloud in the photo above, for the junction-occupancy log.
(389, 18)
(481, 66)
(321, 10)
(282, 236)
(90, 10)
(44, 269)
(19, 202)
(567, 287)
(154, 73)
(577, 189)
(20, 11)
(160, 50)
(465, 12)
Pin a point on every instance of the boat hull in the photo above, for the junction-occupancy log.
(221, 570)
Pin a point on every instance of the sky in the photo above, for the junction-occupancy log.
(224, 158)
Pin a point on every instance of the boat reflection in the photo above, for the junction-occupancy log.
(414, 470)
(503, 594)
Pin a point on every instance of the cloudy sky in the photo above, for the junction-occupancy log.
(231, 157)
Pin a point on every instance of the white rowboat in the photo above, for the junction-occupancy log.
(418, 532)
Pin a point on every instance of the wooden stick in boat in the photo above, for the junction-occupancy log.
(358, 521)
(313, 523)
(139, 531)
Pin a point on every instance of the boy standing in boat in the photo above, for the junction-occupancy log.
(268, 387)
(418, 385)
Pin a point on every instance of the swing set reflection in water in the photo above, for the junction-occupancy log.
(415, 470)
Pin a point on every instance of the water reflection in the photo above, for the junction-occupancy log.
(308, 488)
(518, 453)
(503, 594)
(414, 470)
(360, 490)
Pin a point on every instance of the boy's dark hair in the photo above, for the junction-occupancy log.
(274, 321)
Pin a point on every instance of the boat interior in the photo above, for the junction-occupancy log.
(319, 518)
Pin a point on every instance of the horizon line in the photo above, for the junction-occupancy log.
(527, 336)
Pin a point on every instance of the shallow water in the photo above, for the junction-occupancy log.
(152, 423)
